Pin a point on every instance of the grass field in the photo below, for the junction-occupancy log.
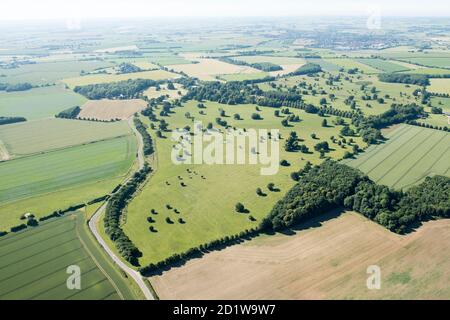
(324, 259)
(383, 65)
(106, 78)
(325, 65)
(111, 109)
(271, 59)
(38, 103)
(44, 135)
(34, 263)
(351, 64)
(88, 171)
(207, 69)
(437, 62)
(410, 154)
(439, 85)
(172, 94)
(207, 204)
(243, 76)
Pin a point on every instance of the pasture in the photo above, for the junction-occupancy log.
(34, 264)
(62, 178)
(275, 60)
(351, 64)
(244, 76)
(107, 78)
(410, 154)
(326, 258)
(383, 65)
(207, 199)
(38, 103)
(45, 135)
(439, 85)
(111, 109)
(208, 69)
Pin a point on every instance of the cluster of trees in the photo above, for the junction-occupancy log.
(418, 79)
(276, 99)
(71, 113)
(309, 68)
(179, 258)
(332, 184)
(263, 66)
(15, 87)
(126, 67)
(128, 89)
(228, 93)
(148, 142)
(8, 120)
(113, 215)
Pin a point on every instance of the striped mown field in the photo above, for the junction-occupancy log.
(34, 263)
(410, 154)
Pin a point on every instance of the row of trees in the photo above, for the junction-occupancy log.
(8, 120)
(15, 87)
(148, 142)
(263, 66)
(71, 113)
(408, 78)
(113, 214)
(331, 184)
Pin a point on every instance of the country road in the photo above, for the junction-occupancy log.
(93, 222)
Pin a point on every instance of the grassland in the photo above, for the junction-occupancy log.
(271, 59)
(437, 62)
(107, 78)
(64, 177)
(207, 204)
(410, 154)
(383, 65)
(324, 259)
(44, 135)
(439, 85)
(34, 264)
(243, 76)
(111, 109)
(38, 103)
(171, 94)
(351, 64)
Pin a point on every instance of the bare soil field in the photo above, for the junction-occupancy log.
(207, 69)
(324, 259)
(111, 109)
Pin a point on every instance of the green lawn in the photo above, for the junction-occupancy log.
(410, 154)
(34, 264)
(46, 134)
(207, 204)
(38, 103)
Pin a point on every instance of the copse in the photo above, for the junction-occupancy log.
(128, 89)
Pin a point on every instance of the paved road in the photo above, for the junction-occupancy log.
(93, 222)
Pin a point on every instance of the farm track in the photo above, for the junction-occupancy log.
(93, 223)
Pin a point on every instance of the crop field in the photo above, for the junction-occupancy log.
(44, 135)
(437, 62)
(34, 264)
(111, 109)
(410, 154)
(206, 216)
(243, 76)
(271, 59)
(430, 71)
(107, 78)
(383, 65)
(324, 259)
(324, 64)
(440, 85)
(207, 69)
(95, 165)
(38, 103)
(352, 63)
(51, 72)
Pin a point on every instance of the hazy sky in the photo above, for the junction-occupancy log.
(44, 9)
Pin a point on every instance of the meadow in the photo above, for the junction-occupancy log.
(326, 258)
(383, 65)
(107, 78)
(410, 154)
(38, 103)
(439, 85)
(351, 64)
(206, 201)
(34, 264)
(41, 136)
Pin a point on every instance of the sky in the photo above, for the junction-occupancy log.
(64, 9)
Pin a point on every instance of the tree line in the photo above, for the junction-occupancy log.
(8, 120)
(70, 113)
(127, 89)
(15, 87)
(148, 142)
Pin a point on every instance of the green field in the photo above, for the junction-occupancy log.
(34, 262)
(45, 135)
(437, 62)
(107, 78)
(351, 64)
(243, 76)
(383, 65)
(207, 204)
(38, 103)
(274, 60)
(410, 154)
(439, 85)
(54, 180)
